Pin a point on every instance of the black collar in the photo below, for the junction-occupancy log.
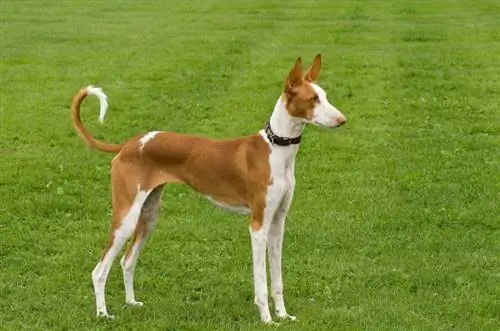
(280, 141)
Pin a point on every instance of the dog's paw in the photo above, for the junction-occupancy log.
(287, 317)
(272, 323)
(134, 303)
(105, 315)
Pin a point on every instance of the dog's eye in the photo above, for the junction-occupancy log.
(315, 99)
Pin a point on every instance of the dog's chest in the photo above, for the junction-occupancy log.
(282, 165)
(282, 177)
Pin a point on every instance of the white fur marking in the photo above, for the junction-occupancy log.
(324, 114)
(103, 100)
(147, 137)
(130, 221)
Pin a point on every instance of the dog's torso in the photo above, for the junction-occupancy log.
(231, 173)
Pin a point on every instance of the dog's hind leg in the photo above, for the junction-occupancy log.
(146, 224)
(127, 205)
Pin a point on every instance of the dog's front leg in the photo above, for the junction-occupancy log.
(275, 246)
(259, 245)
(262, 216)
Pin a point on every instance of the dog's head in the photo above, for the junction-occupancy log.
(307, 101)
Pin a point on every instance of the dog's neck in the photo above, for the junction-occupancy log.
(283, 124)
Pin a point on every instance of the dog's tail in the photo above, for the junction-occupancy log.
(77, 121)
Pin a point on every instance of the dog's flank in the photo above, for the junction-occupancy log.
(247, 175)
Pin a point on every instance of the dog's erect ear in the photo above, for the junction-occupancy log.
(294, 79)
(312, 74)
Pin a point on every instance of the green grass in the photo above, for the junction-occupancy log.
(395, 223)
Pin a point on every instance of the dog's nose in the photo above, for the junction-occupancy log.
(341, 120)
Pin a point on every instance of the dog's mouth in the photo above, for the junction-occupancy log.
(324, 126)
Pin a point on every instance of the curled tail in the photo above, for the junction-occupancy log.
(77, 121)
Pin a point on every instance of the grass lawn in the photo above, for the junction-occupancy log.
(396, 218)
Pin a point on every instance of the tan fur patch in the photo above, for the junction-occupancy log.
(299, 96)
(302, 103)
(235, 171)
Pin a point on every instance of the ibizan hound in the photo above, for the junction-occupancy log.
(253, 174)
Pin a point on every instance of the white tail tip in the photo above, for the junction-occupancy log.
(103, 100)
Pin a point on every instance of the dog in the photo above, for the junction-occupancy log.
(254, 175)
